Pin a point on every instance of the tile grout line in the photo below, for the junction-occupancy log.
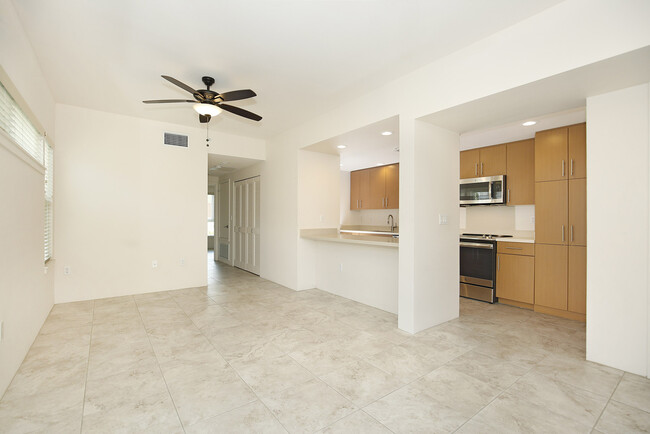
(234, 370)
(607, 403)
(495, 398)
(90, 342)
(158, 364)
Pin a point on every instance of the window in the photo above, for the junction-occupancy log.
(210, 215)
(15, 123)
(20, 129)
(49, 196)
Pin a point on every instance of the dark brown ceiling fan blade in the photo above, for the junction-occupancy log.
(161, 101)
(237, 95)
(204, 119)
(240, 112)
(179, 83)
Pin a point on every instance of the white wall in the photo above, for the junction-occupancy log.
(318, 207)
(123, 200)
(617, 235)
(26, 292)
(366, 274)
(364, 217)
(544, 45)
(516, 220)
(428, 260)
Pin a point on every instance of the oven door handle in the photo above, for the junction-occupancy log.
(478, 245)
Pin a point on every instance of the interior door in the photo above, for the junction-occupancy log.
(239, 229)
(253, 225)
(247, 224)
(223, 232)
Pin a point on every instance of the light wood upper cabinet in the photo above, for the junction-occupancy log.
(360, 189)
(551, 212)
(520, 181)
(375, 188)
(488, 161)
(551, 276)
(516, 278)
(492, 160)
(578, 151)
(577, 283)
(551, 154)
(578, 212)
(392, 186)
(469, 161)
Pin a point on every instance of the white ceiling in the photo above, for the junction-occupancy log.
(514, 131)
(560, 94)
(219, 165)
(364, 147)
(302, 57)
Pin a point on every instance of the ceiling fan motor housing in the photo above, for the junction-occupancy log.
(208, 81)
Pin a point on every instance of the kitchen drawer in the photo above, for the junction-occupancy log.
(527, 249)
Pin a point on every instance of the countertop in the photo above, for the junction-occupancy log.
(516, 240)
(332, 235)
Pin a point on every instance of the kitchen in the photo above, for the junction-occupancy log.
(357, 258)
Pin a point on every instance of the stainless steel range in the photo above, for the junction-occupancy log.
(478, 253)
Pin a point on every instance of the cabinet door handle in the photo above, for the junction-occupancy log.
(571, 232)
(515, 248)
(563, 168)
(508, 198)
(476, 169)
(571, 167)
(562, 233)
(481, 168)
(498, 264)
(382, 202)
(386, 201)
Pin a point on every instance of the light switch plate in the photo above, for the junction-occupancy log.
(442, 219)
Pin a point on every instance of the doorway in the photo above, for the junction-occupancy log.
(246, 228)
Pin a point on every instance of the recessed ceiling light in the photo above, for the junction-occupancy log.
(341, 146)
(529, 123)
(341, 165)
(386, 133)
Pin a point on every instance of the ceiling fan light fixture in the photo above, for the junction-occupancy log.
(207, 109)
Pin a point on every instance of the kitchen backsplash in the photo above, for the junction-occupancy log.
(370, 217)
(510, 220)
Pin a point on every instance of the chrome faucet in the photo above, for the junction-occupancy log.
(391, 222)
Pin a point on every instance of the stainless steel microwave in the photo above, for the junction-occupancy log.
(488, 190)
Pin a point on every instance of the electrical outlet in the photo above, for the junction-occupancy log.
(154, 264)
(532, 219)
(66, 270)
(341, 267)
(442, 219)
(321, 218)
(182, 261)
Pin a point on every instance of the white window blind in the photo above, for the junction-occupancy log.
(49, 199)
(15, 123)
(21, 130)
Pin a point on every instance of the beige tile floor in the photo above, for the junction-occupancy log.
(247, 355)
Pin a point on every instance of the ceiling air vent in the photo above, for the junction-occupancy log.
(176, 140)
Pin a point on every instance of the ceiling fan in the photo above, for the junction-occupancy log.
(208, 103)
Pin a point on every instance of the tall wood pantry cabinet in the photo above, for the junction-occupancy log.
(561, 221)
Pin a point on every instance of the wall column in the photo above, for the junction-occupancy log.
(428, 256)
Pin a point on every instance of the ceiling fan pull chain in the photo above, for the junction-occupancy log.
(207, 135)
